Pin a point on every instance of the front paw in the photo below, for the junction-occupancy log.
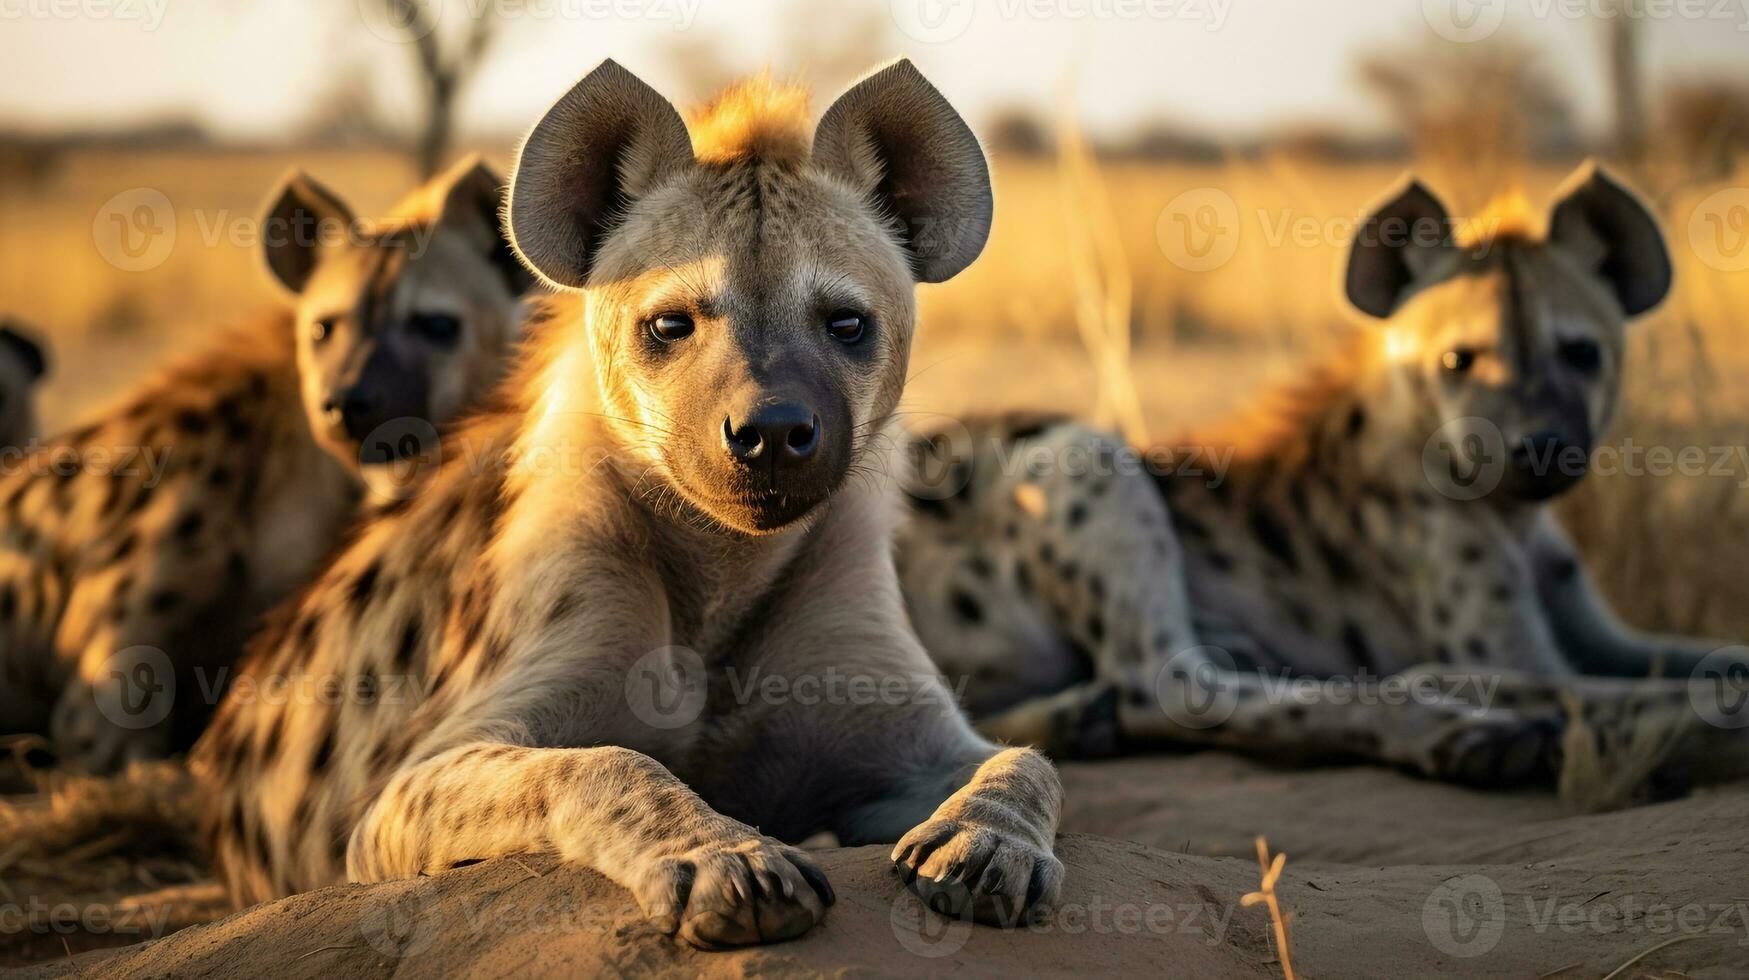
(959, 867)
(1496, 749)
(735, 893)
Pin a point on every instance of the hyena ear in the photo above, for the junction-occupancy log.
(300, 214)
(473, 203)
(1399, 242)
(607, 142)
(26, 349)
(893, 137)
(1604, 226)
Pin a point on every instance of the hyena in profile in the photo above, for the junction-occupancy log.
(674, 484)
(1347, 537)
(139, 550)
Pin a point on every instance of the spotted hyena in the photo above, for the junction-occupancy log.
(139, 549)
(677, 496)
(1390, 514)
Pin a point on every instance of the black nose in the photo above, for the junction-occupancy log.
(1541, 453)
(790, 430)
(355, 410)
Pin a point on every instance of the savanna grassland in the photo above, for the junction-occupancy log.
(1071, 246)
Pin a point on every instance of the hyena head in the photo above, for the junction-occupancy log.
(22, 366)
(1510, 343)
(747, 290)
(403, 322)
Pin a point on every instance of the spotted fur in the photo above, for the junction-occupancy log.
(138, 550)
(598, 531)
(1347, 527)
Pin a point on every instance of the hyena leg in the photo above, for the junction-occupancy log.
(1398, 721)
(975, 838)
(713, 880)
(1092, 555)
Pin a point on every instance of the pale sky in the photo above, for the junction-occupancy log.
(251, 67)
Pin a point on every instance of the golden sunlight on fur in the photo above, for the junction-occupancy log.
(1509, 215)
(757, 118)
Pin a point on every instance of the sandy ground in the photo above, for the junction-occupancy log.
(1387, 876)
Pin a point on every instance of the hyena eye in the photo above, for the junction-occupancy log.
(322, 329)
(1459, 360)
(1582, 354)
(438, 328)
(846, 326)
(669, 327)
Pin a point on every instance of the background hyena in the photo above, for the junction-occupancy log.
(1391, 512)
(139, 549)
(671, 485)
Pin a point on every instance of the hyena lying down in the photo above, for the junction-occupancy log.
(1391, 513)
(665, 485)
(138, 550)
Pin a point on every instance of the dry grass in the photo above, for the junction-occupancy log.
(1074, 259)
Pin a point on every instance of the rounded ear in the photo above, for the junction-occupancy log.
(25, 348)
(298, 213)
(1400, 241)
(473, 202)
(1606, 227)
(893, 137)
(608, 141)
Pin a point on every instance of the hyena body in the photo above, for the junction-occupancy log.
(1389, 518)
(670, 484)
(140, 549)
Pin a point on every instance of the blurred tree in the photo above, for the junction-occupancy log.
(442, 72)
(1019, 132)
(829, 45)
(1627, 84)
(1704, 126)
(1473, 113)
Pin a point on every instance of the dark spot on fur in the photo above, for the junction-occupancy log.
(404, 651)
(1354, 639)
(192, 422)
(1077, 514)
(1273, 535)
(364, 586)
(189, 525)
(965, 607)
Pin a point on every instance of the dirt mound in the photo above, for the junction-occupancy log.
(1387, 876)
